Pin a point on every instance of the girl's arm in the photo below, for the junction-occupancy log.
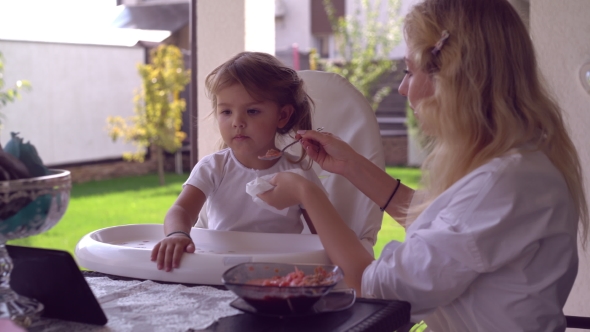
(185, 210)
(336, 156)
(340, 242)
(180, 217)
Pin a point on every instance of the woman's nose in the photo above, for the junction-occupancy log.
(403, 87)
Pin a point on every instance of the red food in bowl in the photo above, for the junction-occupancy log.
(278, 288)
(320, 277)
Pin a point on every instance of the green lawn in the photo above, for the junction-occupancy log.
(390, 229)
(137, 200)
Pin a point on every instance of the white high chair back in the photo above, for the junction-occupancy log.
(343, 111)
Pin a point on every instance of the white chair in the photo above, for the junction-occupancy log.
(343, 111)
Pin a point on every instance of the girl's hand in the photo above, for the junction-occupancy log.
(288, 187)
(167, 253)
(330, 152)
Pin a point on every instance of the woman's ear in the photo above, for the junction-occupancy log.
(284, 115)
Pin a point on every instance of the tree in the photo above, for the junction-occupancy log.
(364, 43)
(158, 108)
(10, 95)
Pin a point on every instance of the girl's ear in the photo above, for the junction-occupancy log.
(284, 115)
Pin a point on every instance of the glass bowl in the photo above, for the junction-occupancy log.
(246, 279)
(28, 207)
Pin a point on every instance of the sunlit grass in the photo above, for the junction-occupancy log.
(390, 229)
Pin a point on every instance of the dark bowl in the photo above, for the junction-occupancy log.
(245, 281)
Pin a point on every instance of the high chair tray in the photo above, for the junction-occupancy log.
(125, 251)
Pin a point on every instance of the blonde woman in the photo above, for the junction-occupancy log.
(491, 239)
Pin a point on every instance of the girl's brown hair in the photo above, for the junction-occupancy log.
(265, 78)
(489, 95)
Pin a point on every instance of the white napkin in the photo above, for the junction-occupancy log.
(261, 184)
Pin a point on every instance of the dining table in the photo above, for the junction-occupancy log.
(134, 305)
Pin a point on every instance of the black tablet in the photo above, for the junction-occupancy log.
(53, 278)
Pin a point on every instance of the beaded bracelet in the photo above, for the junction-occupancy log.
(392, 194)
(181, 232)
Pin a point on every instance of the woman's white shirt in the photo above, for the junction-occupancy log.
(497, 251)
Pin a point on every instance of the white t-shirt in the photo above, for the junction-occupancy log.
(222, 178)
(497, 251)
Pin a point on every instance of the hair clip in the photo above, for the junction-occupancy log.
(439, 44)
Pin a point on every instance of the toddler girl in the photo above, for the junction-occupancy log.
(255, 98)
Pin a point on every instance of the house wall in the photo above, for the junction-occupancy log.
(74, 89)
(247, 25)
(560, 31)
(294, 26)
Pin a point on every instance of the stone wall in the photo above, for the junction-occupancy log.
(108, 170)
(112, 169)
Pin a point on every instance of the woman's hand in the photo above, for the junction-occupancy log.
(287, 190)
(330, 152)
(167, 253)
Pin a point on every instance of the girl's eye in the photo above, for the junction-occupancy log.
(253, 111)
(225, 112)
(407, 72)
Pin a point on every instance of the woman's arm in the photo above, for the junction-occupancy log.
(379, 186)
(340, 242)
(336, 156)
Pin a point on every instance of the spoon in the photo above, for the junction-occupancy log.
(273, 154)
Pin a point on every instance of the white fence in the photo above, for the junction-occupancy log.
(74, 89)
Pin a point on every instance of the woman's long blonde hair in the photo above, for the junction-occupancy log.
(489, 96)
